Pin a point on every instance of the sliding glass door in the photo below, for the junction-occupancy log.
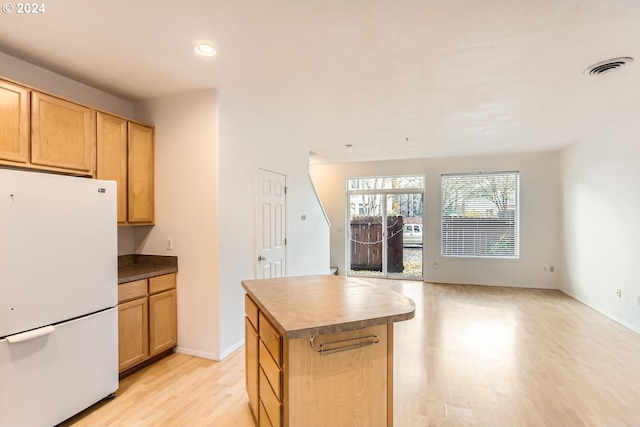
(385, 235)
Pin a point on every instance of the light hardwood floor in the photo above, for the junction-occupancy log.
(472, 356)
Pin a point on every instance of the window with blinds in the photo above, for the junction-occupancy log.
(480, 215)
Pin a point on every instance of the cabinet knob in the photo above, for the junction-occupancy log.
(261, 258)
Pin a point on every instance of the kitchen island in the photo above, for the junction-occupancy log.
(319, 351)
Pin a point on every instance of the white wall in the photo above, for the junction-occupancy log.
(249, 141)
(601, 201)
(539, 215)
(47, 81)
(186, 192)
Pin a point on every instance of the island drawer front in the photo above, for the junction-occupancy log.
(271, 370)
(271, 338)
(264, 419)
(162, 283)
(251, 309)
(271, 403)
(132, 290)
(251, 365)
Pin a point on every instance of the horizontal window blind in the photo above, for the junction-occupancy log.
(480, 215)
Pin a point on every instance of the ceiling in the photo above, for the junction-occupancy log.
(393, 78)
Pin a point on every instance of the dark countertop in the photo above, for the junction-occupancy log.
(138, 267)
(309, 305)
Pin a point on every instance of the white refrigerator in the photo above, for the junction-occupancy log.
(58, 296)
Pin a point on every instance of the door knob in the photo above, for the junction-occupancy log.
(261, 258)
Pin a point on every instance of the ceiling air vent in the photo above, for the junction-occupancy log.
(608, 66)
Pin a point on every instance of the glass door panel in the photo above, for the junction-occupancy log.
(366, 251)
(404, 235)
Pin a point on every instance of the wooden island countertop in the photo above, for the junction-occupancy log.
(312, 305)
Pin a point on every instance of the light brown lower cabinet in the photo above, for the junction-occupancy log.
(133, 336)
(162, 322)
(298, 386)
(147, 319)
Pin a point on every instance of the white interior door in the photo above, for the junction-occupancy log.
(271, 229)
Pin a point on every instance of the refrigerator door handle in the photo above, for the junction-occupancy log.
(30, 335)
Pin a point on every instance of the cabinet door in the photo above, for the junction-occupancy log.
(141, 200)
(252, 365)
(14, 120)
(348, 388)
(111, 156)
(133, 333)
(163, 329)
(62, 133)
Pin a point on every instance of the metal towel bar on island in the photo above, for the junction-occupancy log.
(358, 342)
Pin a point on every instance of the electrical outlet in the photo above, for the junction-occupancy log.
(169, 243)
(619, 293)
(638, 299)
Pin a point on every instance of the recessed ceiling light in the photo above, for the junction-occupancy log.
(204, 49)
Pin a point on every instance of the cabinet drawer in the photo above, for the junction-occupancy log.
(251, 365)
(264, 419)
(271, 337)
(272, 405)
(132, 290)
(271, 370)
(251, 309)
(162, 283)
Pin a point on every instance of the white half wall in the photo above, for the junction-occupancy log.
(249, 141)
(540, 224)
(600, 175)
(186, 195)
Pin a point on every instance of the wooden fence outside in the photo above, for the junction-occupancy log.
(366, 244)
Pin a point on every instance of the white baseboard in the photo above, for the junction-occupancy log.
(211, 356)
(197, 353)
(604, 313)
(226, 353)
(552, 287)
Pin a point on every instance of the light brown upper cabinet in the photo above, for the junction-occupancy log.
(111, 156)
(141, 175)
(124, 153)
(44, 132)
(62, 133)
(14, 123)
